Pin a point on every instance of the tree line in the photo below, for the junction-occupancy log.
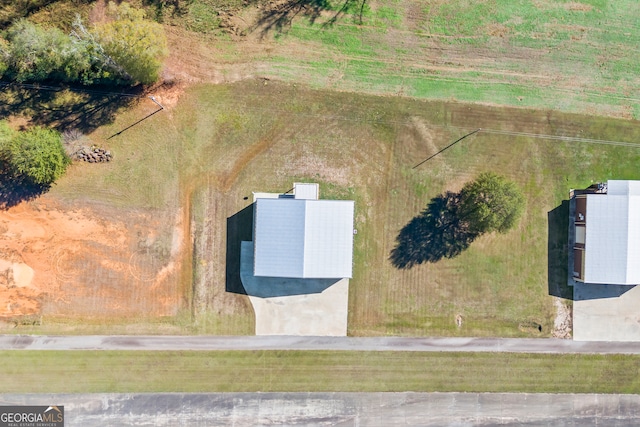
(127, 49)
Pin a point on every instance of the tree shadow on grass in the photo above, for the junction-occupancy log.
(278, 17)
(63, 108)
(15, 189)
(11, 10)
(168, 7)
(436, 233)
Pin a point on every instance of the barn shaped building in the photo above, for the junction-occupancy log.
(300, 236)
(607, 234)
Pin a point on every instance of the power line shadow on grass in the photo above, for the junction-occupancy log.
(136, 123)
(436, 233)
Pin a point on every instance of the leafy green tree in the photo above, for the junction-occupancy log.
(490, 203)
(6, 134)
(126, 49)
(138, 46)
(37, 54)
(4, 56)
(37, 155)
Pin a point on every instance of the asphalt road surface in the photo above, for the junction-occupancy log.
(161, 342)
(339, 409)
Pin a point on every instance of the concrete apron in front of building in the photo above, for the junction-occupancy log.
(283, 306)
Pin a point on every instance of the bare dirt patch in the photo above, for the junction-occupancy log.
(194, 60)
(563, 323)
(497, 30)
(98, 12)
(576, 6)
(168, 93)
(68, 261)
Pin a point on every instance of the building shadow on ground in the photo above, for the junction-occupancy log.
(436, 233)
(239, 265)
(587, 291)
(269, 287)
(239, 229)
(558, 251)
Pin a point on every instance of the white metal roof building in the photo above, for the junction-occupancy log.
(608, 236)
(299, 237)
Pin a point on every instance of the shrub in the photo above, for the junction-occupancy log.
(37, 155)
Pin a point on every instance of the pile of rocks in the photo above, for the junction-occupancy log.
(93, 155)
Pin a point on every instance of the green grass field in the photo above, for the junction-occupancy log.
(568, 56)
(221, 142)
(229, 371)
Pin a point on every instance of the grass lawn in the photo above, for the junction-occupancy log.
(235, 371)
(220, 143)
(562, 55)
(364, 148)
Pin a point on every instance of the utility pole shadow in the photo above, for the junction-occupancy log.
(142, 119)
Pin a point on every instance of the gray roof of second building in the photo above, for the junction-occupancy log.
(303, 238)
(612, 238)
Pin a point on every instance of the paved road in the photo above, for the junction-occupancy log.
(340, 409)
(121, 342)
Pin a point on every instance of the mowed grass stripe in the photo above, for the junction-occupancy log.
(220, 371)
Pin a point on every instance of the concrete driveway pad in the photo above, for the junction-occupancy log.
(283, 306)
(606, 312)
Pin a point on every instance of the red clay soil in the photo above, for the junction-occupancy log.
(79, 262)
